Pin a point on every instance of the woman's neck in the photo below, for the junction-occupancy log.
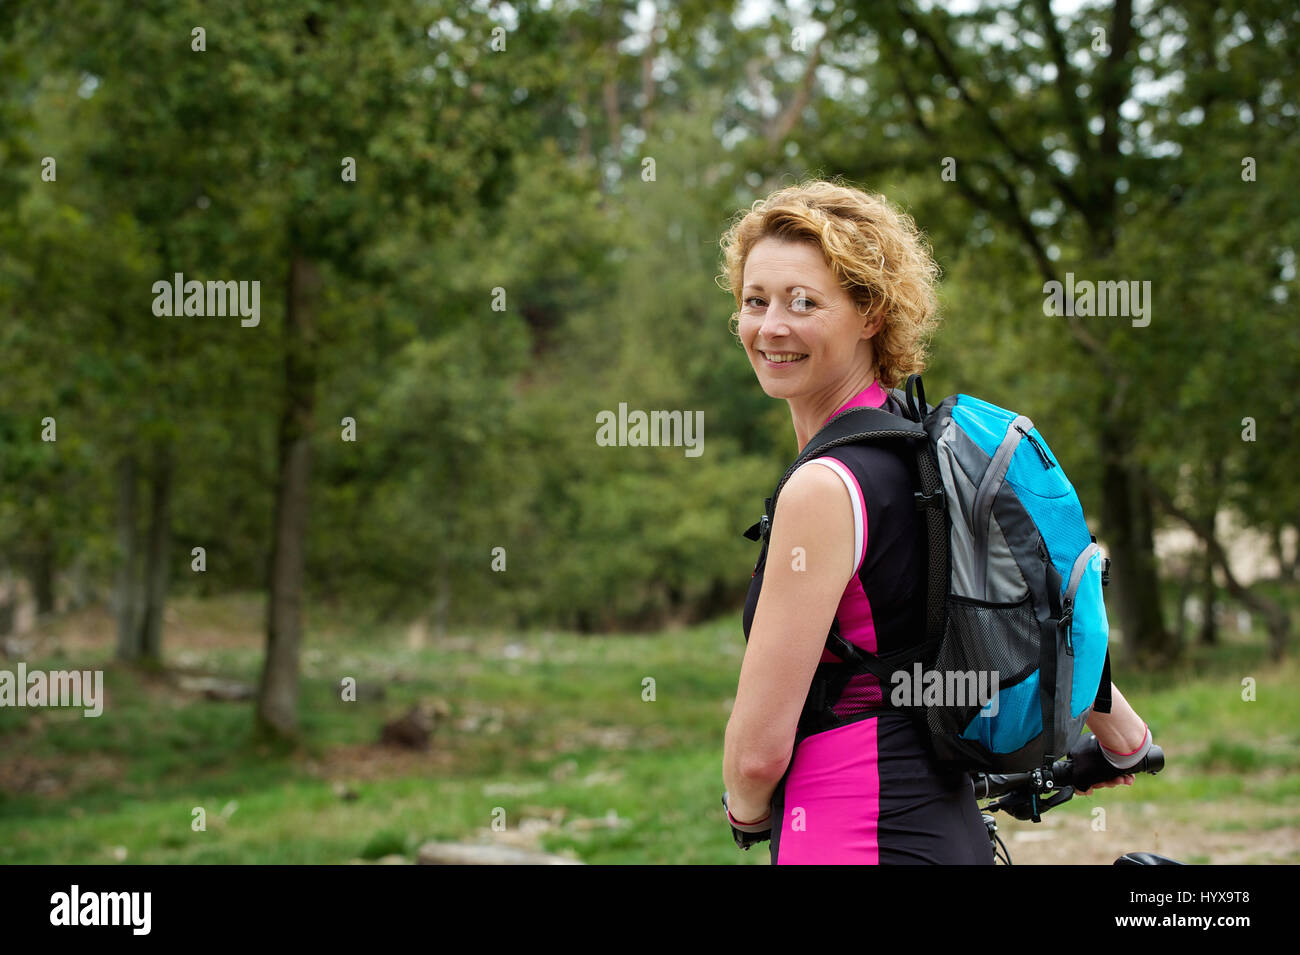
(811, 417)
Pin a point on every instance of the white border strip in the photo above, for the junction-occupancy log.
(856, 498)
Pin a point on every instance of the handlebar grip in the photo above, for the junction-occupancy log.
(1154, 761)
(1090, 767)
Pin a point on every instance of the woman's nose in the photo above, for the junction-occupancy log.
(776, 322)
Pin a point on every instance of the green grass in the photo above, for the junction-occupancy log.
(560, 742)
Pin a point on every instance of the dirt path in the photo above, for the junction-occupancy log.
(1273, 836)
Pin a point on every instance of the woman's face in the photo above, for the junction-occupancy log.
(792, 306)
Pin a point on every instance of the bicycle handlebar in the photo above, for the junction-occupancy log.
(988, 785)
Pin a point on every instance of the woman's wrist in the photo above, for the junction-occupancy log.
(1118, 736)
(1127, 759)
(1121, 730)
(765, 822)
(748, 818)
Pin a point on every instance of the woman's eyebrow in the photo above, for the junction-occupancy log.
(754, 287)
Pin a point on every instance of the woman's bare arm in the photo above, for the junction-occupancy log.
(1120, 731)
(795, 608)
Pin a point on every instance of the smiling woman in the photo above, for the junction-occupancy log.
(835, 296)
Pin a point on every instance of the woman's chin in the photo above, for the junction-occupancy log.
(776, 389)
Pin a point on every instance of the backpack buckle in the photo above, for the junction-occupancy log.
(759, 530)
(929, 500)
(1105, 571)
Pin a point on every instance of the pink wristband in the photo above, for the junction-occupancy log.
(1130, 759)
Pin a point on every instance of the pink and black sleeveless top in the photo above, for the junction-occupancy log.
(866, 791)
(882, 609)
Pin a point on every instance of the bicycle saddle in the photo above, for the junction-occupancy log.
(1145, 858)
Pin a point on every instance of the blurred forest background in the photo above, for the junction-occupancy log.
(531, 237)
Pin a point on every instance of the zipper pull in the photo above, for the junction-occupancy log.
(1067, 621)
(1047, 462)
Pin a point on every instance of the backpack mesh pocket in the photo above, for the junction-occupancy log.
(982, 639)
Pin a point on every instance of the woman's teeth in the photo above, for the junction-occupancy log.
(783, 358)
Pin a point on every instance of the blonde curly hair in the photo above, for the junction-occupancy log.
(874, 249)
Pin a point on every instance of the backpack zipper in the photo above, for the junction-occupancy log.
(1071, 590)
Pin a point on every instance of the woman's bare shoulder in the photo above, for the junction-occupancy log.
(815, 497)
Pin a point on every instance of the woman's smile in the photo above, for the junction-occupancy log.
(782, 359)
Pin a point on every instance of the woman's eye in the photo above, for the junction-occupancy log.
(798, 305)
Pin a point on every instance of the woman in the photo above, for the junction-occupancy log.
(835, 289)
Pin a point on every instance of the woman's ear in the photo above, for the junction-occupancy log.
(872, 325)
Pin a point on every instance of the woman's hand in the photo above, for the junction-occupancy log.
(1092, 770)
(1126, 780)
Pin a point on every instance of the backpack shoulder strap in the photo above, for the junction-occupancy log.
(855, 426)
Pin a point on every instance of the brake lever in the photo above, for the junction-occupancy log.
(1025, 806)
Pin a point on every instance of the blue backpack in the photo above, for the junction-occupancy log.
(1013, 592)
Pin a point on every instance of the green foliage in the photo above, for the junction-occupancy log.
(387, 842)
(517, 177)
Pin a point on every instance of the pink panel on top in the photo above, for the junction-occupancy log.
(832, 799)
(854, 610)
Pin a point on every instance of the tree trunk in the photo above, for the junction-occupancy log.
(1276, 615)
(81, 590)
(40, 571)
(1186, 584)
(1286, 570)
(125, 595)
(1126, 514)
(1209, 620)
(1209, 624)
(613, 118)
(8, 601)
(781, 125)
(277, 702)
(155, 583)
